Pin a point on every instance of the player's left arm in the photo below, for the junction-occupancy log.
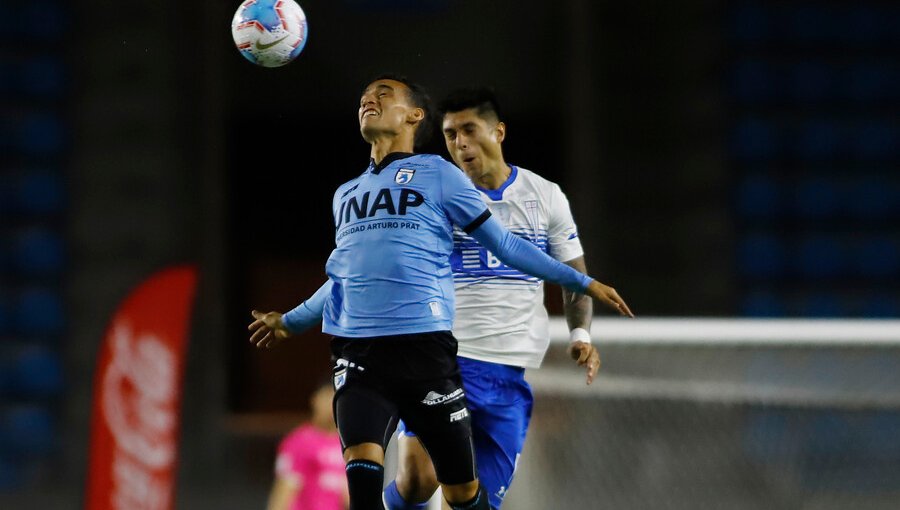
(564, 244)
(579, 310)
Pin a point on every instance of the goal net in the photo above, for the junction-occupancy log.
(715, 414)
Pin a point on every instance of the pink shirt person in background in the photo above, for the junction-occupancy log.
(309, 471)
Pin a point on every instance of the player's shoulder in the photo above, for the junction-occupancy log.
(348, 186)
(431, 169)
(536, 181)
(426, 158)
(432, 162)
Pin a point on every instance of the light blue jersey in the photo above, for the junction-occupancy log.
(390, 272)
(394, 234)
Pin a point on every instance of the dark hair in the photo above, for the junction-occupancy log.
(420, 99)
(482, 99)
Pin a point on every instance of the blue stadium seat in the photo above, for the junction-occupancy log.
(40, 192)
(7, 360)
(37, 372)
(758, 197)
(865, 26)
(818, 198)
(874, 198)
(39, 252)
(814, 82)
(8, 136)
(6, 256)
(762, 304)
(821, 256)
(750, 23)
(755, 139)
(880, 306)
(877, 140)
(43, 77)
(811, 25)
(42, 134)
(822, 305)
(46, 20)
(870, 83)
(32, 429)
(8, 193)
(40, 312)
(821, 140)
(754, 81)
(8, 75)
(761, 256)
(10, 474)
(878, 257)
(6, 316)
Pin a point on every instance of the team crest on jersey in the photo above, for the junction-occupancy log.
(404, 175)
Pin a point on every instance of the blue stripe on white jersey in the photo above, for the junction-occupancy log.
(472, 262)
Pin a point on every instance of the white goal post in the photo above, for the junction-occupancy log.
(736, 332)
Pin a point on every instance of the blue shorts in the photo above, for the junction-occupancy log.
(500, 402)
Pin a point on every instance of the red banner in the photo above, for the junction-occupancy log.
(137, 396)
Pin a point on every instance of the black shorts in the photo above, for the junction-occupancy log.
(413, 377)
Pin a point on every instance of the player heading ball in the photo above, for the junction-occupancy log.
(389, 302)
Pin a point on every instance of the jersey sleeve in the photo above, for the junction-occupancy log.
(524, 256)
(562, 233)
(308, 313)
(460, 199)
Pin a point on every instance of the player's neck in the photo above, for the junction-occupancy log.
(497, 173)
(384, 145)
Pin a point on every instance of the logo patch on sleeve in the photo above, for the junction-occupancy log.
(404, 175)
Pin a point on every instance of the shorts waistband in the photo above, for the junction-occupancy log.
(497, 370)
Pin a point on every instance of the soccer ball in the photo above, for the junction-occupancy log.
(269, 33)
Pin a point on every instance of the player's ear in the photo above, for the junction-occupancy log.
(415, 115)
(500, 132)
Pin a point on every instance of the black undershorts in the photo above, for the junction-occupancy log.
(411, 377)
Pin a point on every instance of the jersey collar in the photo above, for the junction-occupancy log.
(390, 158)
(497, 194)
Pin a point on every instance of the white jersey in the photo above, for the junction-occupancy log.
(500, 314)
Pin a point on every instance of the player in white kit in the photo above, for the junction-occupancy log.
(501, 323)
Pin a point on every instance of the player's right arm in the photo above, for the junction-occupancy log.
(524, 256)
(465, 207)
(269, 329)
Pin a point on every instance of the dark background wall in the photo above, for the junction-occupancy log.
(722, 158)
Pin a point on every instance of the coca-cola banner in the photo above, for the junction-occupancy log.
(137, 395)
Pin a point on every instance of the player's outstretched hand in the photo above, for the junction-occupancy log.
(267, 330)
(608, 296)
(586, 355)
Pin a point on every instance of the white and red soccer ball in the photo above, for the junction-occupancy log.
(269, 33)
